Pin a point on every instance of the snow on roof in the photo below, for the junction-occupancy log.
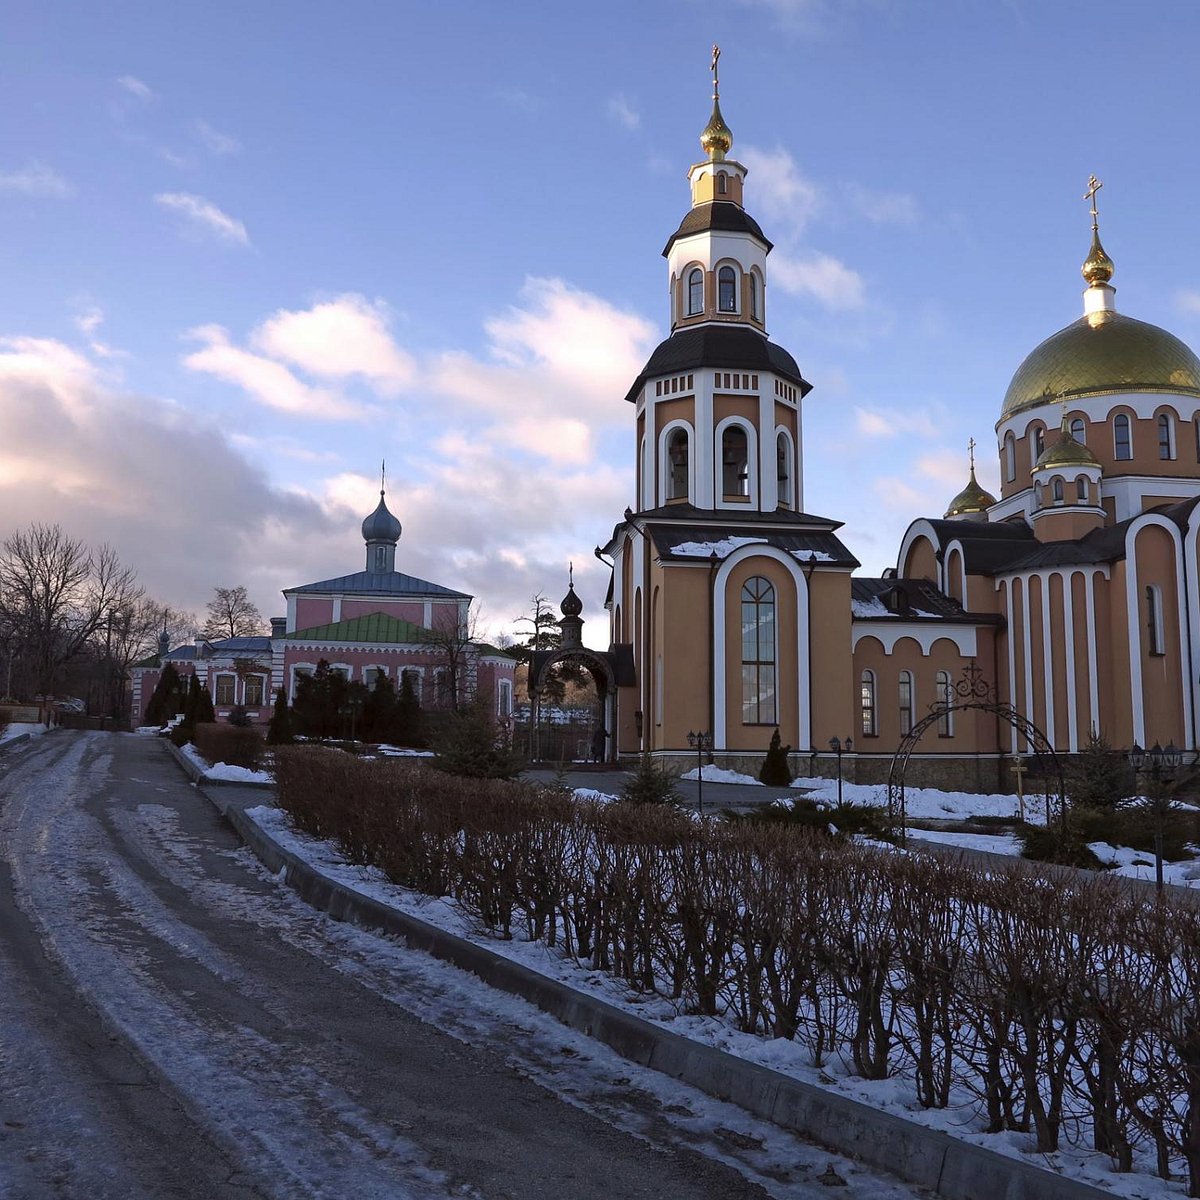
(722, 548)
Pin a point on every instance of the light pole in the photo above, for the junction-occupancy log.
(700, 742)
(838, 746)
(1161, 765)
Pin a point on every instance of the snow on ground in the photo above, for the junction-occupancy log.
(224, 771)
(594, 795)
(715, 774)
(961, 1120)
(926, 803)
(1139, 864)
(18, 728)
(990, 843)
(403, 752)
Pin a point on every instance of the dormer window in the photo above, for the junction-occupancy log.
(727, 290)
(695, 292)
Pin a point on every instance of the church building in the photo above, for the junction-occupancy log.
(733, 611)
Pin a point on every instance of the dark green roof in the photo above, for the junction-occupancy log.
(374, 627)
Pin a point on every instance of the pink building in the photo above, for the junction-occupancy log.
(377, 621)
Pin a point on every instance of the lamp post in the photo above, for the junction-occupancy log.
(1161, 765)
(700, 742)
(837, 746)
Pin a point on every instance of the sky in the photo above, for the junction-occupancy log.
(248, 251)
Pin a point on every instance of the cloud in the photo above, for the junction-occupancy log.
(267, 381)
(135, 87)
(781, 192)
(204, 216)
(821, 276)
(338, 339)
(88, 322)
(1188, 301)
(883, 208)
(36, 180)
(214, 141)
(796, 16)
(891, 423)
(621, 111)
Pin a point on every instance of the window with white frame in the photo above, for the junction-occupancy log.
(1122, 439)
(1077, 431)
(735, 463)
(226, 689)
(695, 291)
(504, 699)
(945, 696)
(783, 470)
(1010, 457)
(1038, 433)
(1081, 489)
(868, 701)
(677, 465)
(256, 687)
(758, 652)
(754, 301)
(1166, 436)
(372, 676)
(722, 183)
(727, 290)
(1056, 489)
(906, 701)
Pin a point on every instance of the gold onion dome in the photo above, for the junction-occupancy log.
(1097, 267)
(972, 499)
(1066, 452)
(717, 138)
(1102, 354)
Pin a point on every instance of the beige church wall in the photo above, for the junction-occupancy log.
(1062, 526)
(626, 730)
(756, 737)
(1081, 715)
(1149, 502)
(921, 562)
(1059, 732)
(1162, 681)
(788, 417)
(1112, 636)
(684, 635)
(982, 596)
(833, 683)
(1036, 599)
(1018, 692)
(725, 405)
(681, 408)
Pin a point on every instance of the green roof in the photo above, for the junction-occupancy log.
(375, 627)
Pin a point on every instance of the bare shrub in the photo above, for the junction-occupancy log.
(236, 745)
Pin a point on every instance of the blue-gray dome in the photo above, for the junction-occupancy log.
(381, 526)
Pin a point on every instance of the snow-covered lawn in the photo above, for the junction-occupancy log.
(224, 771)
(927, 803)
(18, 729)
(714, 774)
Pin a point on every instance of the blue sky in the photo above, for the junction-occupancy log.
(250, 250)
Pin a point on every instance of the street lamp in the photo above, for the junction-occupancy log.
(838, 746)
(700, 742)
(1161, 765)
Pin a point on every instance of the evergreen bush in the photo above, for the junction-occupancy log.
(238, 717)
(1098, 776)
(235, 745)
(468, 743)
(775, 770)
(279, 728)
(650, 783)
(167, 699)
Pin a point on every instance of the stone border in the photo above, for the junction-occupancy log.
(197, 776)
(949, 1167)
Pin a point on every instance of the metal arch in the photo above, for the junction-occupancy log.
(596, 664)
(971, 692)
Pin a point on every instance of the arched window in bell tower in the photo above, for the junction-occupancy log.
(783, 469)
(727, 290)
(695, 291)
(677, 465)
(735, 463)
(722, 183)
(754, 305)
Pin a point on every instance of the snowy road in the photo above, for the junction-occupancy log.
(175, 1023)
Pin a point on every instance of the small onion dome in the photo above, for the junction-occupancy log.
(571, 606)
(1098, 267)
(972, 499)
(1066, 452)
(381, 526)
(717, 137)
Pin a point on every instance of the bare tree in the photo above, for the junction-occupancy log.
(231, 613)
(452, 639)
(56, 596)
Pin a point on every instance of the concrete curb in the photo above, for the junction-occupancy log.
(197, 776)
(927, 1157)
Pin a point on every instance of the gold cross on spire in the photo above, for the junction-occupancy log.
(971, 452)
(1062, 400)
(716, 58)
(1094, 185)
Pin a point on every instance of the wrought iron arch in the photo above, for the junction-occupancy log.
(970, 693)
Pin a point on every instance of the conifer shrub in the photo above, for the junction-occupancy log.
(279, 728)
(775, 771)
(1098, 776)
(235, 745)
(239, 716)
(469, 743)
(650, 783)
(167, 698)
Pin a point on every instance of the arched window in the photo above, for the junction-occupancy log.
(945, 695)
(1077, 430)
(677, 465)
(870, 711)
(783, 470)
(695, 291)
(1081, 489)
(727, 290)
(722, 183)
(1166, 436)
(735, 463)
(380, 558)
(758, 652)
(1010, 457)
(754, 297)
(1039, 441)
(906, 701)
(1155, 642)
(1122, 442)
(1056, 489)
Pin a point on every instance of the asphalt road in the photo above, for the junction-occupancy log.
(175, 1023)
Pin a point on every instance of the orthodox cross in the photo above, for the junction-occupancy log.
(971, 452)
(716, 58)
(570, 575)
(382, 476)
(1062, 400)
(1094, 185)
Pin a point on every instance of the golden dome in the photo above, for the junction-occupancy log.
(717, 137)
(1097, 267)
(1100, 354)
(1066, 452)
(972, 499)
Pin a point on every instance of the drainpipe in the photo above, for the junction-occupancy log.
(712, 651)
